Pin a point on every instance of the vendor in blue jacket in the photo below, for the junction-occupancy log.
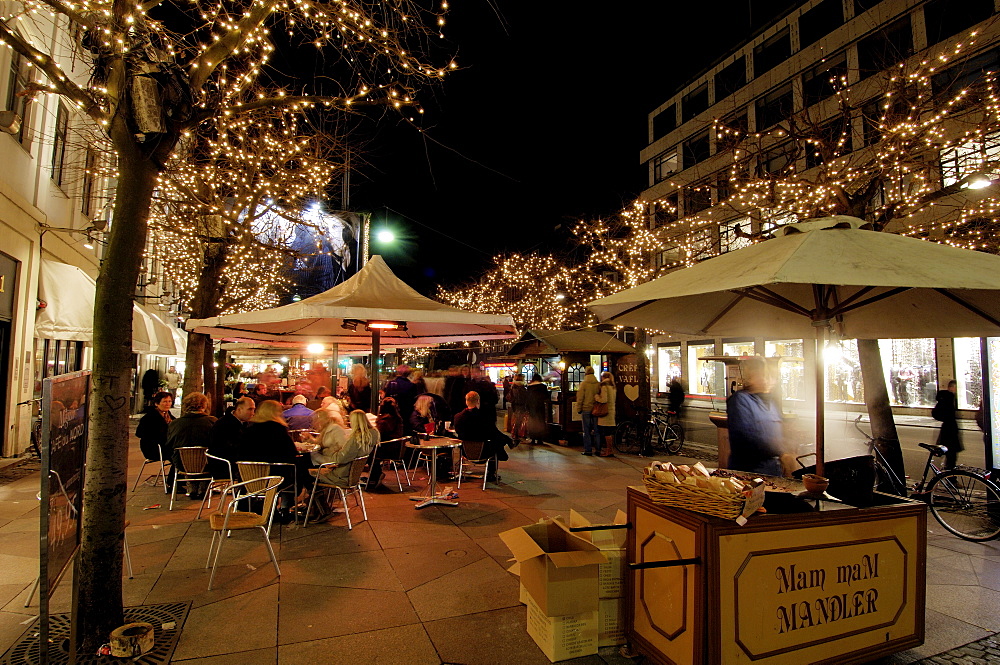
(755, 436)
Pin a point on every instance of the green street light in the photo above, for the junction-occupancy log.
(385, 236)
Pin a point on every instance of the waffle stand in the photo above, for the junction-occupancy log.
(810, 580)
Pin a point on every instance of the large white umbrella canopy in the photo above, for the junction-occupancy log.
(373, 294)
(872, 285)
(825, 274)
(373, 305)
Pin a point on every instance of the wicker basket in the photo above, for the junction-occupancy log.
(697, 499)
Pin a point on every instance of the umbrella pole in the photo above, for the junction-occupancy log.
(376, 339)
(334, 368)
(820, 399)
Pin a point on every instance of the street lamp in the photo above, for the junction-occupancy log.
(385, 236)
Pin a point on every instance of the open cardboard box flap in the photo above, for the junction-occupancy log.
(552, 538)
(606, 539)
(573, 559)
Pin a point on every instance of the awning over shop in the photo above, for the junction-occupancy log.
(68, 294)
(534, 343)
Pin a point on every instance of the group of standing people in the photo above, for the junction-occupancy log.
(595, 402)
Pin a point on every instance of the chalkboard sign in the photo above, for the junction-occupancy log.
(64, 452)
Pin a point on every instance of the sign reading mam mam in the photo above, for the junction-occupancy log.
(810, 594)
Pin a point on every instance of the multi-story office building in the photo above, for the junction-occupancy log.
(55, 204)
(803, 66)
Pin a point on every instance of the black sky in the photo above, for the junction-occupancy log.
(542, 125)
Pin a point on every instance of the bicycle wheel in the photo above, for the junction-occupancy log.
(966, 504)
(673, 438)
(627, 440)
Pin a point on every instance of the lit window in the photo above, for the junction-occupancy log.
(968, 159)
(665, 165)
(730, 239)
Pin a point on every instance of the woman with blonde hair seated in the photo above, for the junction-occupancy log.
(361, 441)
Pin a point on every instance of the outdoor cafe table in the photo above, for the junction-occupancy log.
(432, 447)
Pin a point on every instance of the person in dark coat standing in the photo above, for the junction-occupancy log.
(152, 432)
(518, 408)
(946, 410)
(488, 395)
(456, 384)
(150, 386)
(404, 392)
(193, 428)
(359, 390)
(537, 401)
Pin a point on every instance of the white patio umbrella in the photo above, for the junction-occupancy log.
(372, 305)
(824, 274)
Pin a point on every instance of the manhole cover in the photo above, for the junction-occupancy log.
(456, 553)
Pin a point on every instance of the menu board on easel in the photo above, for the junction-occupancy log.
(64, 452)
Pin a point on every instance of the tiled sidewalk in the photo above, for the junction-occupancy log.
(407, 586)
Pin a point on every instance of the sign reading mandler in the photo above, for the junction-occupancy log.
(64, 452)
(795, 597)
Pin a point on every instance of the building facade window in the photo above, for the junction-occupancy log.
(820, 21)
(704, 376)
(861, 6)
(910, 367)
(59, 144)
(824, 79)
(665, 165)
(885, 47)
(772, 52)
(665, 210)
(731, 78)
(967, 75)
(943, 18)
(696, 149)
(778, 160)
(697, 197)
(90, 168)
(831, 140)
(731, 130)
(18, 81)
(695, 102)
(665, 122)
(668, 366)
(774, 107)
(969, 158)
(968, 372)
(731, 235)
(791, 367)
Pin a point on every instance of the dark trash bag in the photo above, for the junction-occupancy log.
(852, 479)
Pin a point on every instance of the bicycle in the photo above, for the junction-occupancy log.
(964, 500)
(636, 437)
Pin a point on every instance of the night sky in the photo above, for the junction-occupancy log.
(541, 126)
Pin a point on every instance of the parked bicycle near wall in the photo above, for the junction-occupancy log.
(964, 500)
(660, 431)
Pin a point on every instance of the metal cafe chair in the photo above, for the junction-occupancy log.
(396, 447)
(351, 486)
(163, 473)
(230, 519)
(252, 470)
(473, 454)
(193, 460)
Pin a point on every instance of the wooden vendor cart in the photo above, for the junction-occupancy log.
(837, 584)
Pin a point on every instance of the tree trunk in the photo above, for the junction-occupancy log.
(879, 412)
(193, 362)
(208, 360)
(100, 558)
(219, 399)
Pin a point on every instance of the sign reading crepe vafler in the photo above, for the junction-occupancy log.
(793, 597)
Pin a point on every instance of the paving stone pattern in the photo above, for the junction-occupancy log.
(983, 652)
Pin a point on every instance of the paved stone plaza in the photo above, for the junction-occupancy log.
(410, 586)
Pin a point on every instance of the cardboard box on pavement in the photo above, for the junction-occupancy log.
(558, 569)
(563, 637)
(611, 575)
(610, 622)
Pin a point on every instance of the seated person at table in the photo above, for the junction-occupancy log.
(193, 428)
(266, 439)
(424, 419)
(299, 416)
(755, 438)
(361, 440)
(473, 424)
(334, 408)
(152, 432)
(261, 393)
(389, 426)
(226, 436)
(331, 436)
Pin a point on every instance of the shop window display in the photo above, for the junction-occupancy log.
(792, 367)
(738, 349)
(705, 376)
(968, 372)
(843, 372)
(668, 366)
(910, 368)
